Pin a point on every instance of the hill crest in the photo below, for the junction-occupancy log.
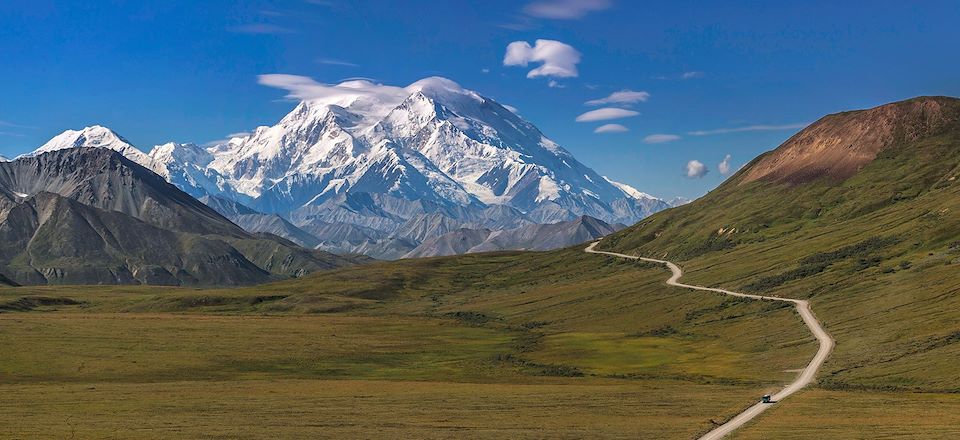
(837, 146)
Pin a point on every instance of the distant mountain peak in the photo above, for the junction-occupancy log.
(96, 136)
(631, 191)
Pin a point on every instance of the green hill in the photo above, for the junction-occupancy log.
(874, 243)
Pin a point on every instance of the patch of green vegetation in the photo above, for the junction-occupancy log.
(28, 303)
(769, 282)
(471, 318)
(860, 249)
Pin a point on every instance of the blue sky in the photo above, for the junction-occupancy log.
(745, 73)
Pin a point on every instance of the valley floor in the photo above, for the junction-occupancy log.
(300, 408)
(468, 347)
(823, 414)
(508, 345)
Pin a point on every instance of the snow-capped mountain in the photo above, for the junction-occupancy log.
(96, 137)
(378, 156)
(432, 140)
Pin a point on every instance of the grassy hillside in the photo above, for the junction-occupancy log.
(877, 254)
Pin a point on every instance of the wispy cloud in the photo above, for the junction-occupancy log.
(305, 88)
(520, 23)
(336, 62)
(724, 165)
(554, 84)
(625, 96)
(241, 134)
(513, 109)
(603, 114)
(271, 13)
(749, 128)
(12, 125)
(260, 29)
(660, 138)
(7, 125)
(682, 76)
(611, 128)
(564, 9)
(695, 169)
(557, 59)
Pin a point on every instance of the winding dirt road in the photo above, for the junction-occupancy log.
(803, 308)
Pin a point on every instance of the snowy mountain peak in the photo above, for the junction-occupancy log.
(631, 191)
(445, 91)
(96, 136)
(177, 152)
(432, 144)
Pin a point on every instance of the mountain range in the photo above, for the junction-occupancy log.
(379, 170)
(92, 216)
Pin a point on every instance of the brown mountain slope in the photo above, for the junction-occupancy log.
(839, 145)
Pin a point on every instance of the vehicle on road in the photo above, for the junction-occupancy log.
(766, 398)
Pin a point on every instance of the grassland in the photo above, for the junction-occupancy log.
(293, 408)
(859, 415)
(471, 347)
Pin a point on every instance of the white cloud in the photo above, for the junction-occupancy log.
(305, 88)
(511, 108)
(625, 96)
(271, 13)
(241, 134)
(695, 169)
(336, 62)
(485, 70)
(749, 128)
(682, 76)
(603, 114)
(558, 59)
(611, 128)
(520, 23)
(260, 28)
(660, 138)
(554, 84)
(564, 9)
(724, 166)
(11, 125)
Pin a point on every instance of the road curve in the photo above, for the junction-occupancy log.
(803, 308)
